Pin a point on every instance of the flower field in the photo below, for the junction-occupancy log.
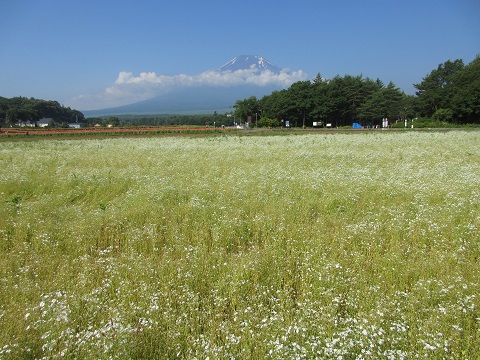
(363, 245)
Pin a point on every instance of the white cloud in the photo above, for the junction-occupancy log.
(129, 88)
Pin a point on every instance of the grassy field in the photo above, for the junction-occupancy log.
(328, 246)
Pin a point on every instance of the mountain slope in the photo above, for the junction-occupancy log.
(206, 98)
(202, 99)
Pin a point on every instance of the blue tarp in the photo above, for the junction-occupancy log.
(357, 126)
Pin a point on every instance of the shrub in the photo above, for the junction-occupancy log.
(267, 122)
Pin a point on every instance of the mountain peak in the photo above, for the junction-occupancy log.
(245, 62)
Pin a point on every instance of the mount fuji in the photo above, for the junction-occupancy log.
(244, 62)
(215, 90)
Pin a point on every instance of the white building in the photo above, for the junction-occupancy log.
(44, 122)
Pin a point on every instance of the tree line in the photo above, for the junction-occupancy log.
(208, 120)
(448, 94)
(20, 109)
(16, 110)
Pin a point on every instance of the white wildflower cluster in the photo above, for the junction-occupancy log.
(340, 246)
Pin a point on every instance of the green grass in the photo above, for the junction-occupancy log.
(329, 246)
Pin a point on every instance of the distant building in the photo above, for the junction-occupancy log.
(44, 122)
(75, 125)
(26, 123)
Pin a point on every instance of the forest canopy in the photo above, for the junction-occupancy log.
(20, 109)
(450, 93)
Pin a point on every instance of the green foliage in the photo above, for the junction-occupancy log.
(387, 102)
(452, 88)
(443, 115)
(465, 102)
(248, 108)
(341, 100)
(165, 120)
(436, 89)
(425, 123)
(267, 122)
(21, 109)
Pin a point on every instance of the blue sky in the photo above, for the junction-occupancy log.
(79, 52)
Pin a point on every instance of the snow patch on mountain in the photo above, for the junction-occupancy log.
(250, 62)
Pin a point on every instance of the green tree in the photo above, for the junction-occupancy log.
(11, 117)
(345, 95)
(300, 102)
(388, 102)
(319, 79)
(246, 108)
(465, 102)
(113, 120)
(23, 109)
(275, 105)
(443, 115)
(322, 104)
(267, 122)
(452, 89)
(435, 91)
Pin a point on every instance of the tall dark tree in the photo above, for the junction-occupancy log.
(247, 108)
(388, 102)
(322, 103)
(337, 100)
(274, 106)
(435, 91)
(3, 109)
(318, 79)
(465, 102)
(300, 102)
(345, 96)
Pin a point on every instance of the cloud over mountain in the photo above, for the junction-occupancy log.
(130, 88)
